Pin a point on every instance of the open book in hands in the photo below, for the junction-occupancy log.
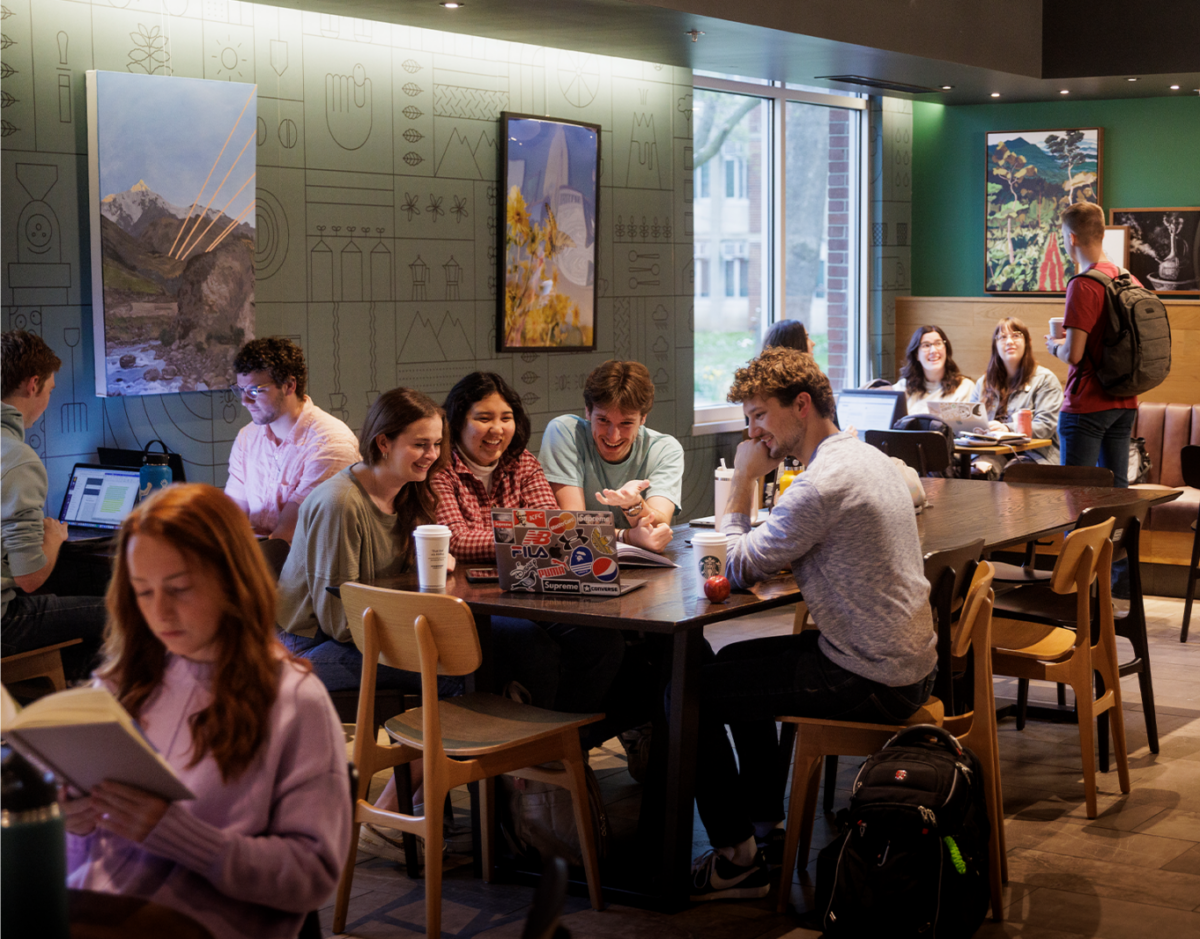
(84, 736)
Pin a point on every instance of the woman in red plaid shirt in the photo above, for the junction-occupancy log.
(568, 668)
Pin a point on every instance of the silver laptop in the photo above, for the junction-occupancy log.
(962, 417)
(558, 551)
(97, 499)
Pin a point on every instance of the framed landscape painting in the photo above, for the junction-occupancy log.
(1031, 177)
(171, 168)
(549, 170)
(1164, 247)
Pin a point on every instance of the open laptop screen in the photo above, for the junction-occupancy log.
(99, 496)
(870, 409)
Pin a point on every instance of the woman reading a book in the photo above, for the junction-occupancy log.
(190, 651)
(1013, 382)
(561, 666)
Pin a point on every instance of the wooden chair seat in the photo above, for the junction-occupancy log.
(478, 723)
(45, 662)
(1020, 640)
(814, 728)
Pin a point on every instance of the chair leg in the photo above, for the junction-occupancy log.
(831, 768)
(583, 824)
(487, 827)
(1022, 701)
(1108, 643)
(1062, 695)
(801, 805)
(1146, 685)
(433, 864)
(1191, 586)
(345, 882)
(1084, 706)
(995, 844)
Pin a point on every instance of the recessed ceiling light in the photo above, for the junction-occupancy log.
(1065, 91)
(1174, 87)
(947, 87)
(995, 94)
(1131, 79)
(452, 4)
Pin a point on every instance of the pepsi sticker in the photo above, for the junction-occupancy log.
(604, 569)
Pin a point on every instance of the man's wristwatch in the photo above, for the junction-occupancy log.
(636, 510)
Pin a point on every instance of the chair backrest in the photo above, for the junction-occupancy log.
(923, 450)
(395, 614)
(975, 621)
(1189, 463)
(949, 573)
(1050, 474)
(1080, 556)
(1128, 519)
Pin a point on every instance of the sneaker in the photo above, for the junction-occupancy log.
(636, 742)
(715, 877)
(386, 843)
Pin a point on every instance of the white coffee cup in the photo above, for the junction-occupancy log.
(722, 483)
(708, 554)
(432, 547)
(1057, 331)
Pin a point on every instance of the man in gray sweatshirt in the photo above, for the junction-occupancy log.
(30, 542)
(847, 529)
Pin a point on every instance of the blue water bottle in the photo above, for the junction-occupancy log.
(156, 470)
(33, 852)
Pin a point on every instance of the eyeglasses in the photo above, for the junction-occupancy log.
(251, 391)
(935, 344)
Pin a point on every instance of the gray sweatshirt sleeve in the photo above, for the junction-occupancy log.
(24, 499)
(795, 525)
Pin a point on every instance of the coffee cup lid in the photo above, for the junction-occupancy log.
(431, 530)
(708, 537)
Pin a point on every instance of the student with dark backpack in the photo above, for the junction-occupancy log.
(1117, 343)
(912, 859)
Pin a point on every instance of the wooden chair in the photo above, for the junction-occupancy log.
(1037, 603)
(45, 662)
(1051, 653)
(925, 451)
(816, 738)
(1046, 474)
(1189, 460)
(462, 740)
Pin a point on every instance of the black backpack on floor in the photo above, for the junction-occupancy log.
(913, 858)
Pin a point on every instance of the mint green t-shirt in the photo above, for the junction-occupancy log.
(570, 458)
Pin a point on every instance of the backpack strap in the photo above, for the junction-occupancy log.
(940, 735)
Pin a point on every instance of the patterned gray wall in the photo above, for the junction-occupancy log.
(377, 230)
(890, 251)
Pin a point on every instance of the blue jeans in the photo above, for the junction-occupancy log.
(564, 667)
(1101, 437)
(339, 666)
(35, 620)
(746, 685)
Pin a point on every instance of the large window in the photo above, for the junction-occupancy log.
(777, 227)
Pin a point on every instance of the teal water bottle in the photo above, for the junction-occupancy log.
(156, 471)
(33, 853)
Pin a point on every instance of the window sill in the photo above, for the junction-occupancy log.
(718, 427)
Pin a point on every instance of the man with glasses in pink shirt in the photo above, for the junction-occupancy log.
(291, 446)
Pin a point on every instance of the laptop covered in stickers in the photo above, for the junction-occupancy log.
(558, 552)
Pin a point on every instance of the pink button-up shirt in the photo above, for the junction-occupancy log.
(267, 472)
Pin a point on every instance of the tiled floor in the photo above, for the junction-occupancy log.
(1132, 872)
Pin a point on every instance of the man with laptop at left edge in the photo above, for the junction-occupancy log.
(29, 541)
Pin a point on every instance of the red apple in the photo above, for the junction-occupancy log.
(716, 588)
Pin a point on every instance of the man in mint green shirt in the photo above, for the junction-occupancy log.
(610, 459)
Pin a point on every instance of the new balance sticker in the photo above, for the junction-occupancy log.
(605, 570)
(535, 536)
(581, 562)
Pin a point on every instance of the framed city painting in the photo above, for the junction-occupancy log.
(171, 168)
(549, 169)
(1031, 178)
(1164, 247)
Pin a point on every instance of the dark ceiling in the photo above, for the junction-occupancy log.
(980, 47)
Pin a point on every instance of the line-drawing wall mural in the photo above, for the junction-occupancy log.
(376, 152)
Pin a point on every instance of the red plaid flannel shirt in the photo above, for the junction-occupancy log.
(466, 507)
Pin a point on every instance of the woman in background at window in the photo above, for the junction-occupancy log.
(790, 334)
(929, 372)
(565, 667)
(1013, 382)
(190, 651)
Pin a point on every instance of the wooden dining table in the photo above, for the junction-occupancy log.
(671, 606)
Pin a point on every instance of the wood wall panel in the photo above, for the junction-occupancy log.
(969, 322)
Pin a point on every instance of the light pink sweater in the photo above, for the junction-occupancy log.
(246, 858)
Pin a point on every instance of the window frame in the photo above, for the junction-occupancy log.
(715, 419)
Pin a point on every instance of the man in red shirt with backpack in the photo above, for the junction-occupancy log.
(1093, 426)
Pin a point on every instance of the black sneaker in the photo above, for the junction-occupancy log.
(772, 847)
(715, 877)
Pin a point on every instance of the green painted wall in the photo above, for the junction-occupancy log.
(1151, 158)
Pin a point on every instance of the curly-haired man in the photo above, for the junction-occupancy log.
(847, 529)
(291, 444)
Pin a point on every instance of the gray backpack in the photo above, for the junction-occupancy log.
(1135, 355)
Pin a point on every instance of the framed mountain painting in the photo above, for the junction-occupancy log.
(1031, 177)
(171, 183)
